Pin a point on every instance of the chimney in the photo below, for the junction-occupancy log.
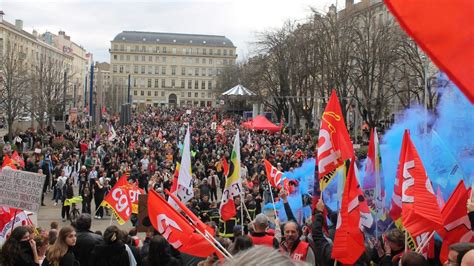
(1, 15)
(349, 3)
(19, 24)
(35, 33)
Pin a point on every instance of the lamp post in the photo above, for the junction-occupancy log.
(425, 74)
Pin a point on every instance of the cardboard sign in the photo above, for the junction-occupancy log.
(143, 224)
(20, 189)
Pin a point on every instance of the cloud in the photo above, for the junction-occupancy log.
(93, 24)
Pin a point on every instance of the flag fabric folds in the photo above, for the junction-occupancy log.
(420, 210)
(456, 224)
(112, 134)
(349, 239)
(233, 184)
(274, 175)
(118, 199)
(7, 161)
(334, 143)
(176, 228)
(444, 31)
(184, 190)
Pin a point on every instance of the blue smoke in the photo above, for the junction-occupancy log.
(447, 149)
(304, 175)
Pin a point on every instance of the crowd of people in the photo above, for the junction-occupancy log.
(85, 163)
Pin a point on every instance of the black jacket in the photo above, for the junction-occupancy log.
(323, 248)
(113, 254)
(67, 260)
(85, 243)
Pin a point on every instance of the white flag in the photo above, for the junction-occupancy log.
(112, 134)
(184, 190)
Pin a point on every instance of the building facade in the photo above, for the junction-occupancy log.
(45, 53)
(79, 69)
(166, 69)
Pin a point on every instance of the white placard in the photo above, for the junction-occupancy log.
(20, 189)
(188, 112)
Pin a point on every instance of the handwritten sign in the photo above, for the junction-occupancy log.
(20, 189)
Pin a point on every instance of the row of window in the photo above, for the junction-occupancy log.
(162, 93)
(164, 70)
(186, 103)
(163, 83)
(173, 50)
(174, 60)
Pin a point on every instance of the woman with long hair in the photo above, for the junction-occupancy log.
(60, 253)
(159, 253)
(19, 249)
(112, 252)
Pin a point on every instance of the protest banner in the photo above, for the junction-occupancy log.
(20, 189)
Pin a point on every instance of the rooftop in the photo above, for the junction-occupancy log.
(173, 38)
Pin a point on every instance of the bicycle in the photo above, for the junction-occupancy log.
(74, 212)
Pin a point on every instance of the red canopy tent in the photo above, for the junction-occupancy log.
(260, 122)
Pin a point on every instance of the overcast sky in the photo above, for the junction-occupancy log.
(94, 23)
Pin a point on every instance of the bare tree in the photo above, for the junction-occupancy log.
(49, 87)
(375, 44)
(14, 82)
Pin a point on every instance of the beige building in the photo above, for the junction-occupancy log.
(80, 67)
(51, 51)
(102, 86)
(168, 68)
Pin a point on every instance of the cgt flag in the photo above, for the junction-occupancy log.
(176, 228)
(233, 184)
(456, 224)
(118, 199)
(349, 238)
(420, 210)
(274, 175)
(334, 144)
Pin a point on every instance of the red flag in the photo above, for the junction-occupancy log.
(396, 206)
(273, 174)
(175, 228)
(174, 186)
(444, 31)
(456, 225)
(420, 210)
(225, 165)
(191, 216)
(349, 239)
(118, 199)
(17, 158)
(439, 198)
(334, 144)
(8, 162)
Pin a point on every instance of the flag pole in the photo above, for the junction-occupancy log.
(14, 218)
(406, 240)
(247, 212)
(273, 200)
(225, 254)
(111, 216)
(424, 242)
(191, 222)
(242, 213)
